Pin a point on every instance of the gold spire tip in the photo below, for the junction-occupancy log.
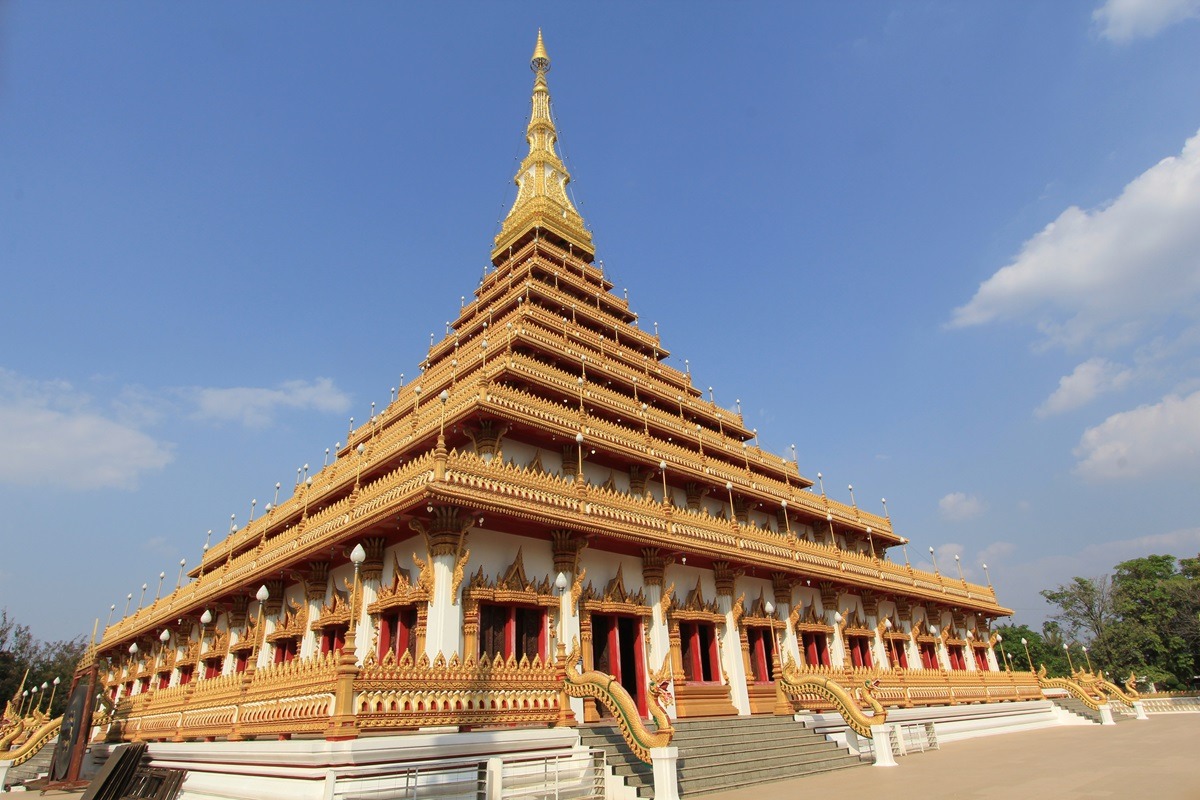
(541, 59)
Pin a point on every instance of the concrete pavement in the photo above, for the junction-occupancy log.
(1158, 759)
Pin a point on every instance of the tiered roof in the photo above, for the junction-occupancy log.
(543, 354)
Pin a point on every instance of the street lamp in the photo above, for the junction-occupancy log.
(1086, 656)
(1000, 641)
(358, 555)
(52, 693)
(561, 582)
(769, 607)
(933, 555)
(1025, 644)
(262, 595)
(1067, 650)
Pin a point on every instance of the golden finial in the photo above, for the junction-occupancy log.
(541, 59)
(542, 205)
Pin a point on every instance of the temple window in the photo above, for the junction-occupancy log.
(212, 668)
(929, 659)
(860, 651)
(164, 679)
(144, 685)
(185, 675)
(512, 631)
(896, 651)
(955, 651)
(698, 643)
(762, 652)
(241, 662)
(286, 650)
(333, 638)
(816, 648)
(397, 633)
(981, 661)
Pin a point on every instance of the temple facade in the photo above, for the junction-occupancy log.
(549, 484)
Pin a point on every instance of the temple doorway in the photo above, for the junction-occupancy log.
(617, 650)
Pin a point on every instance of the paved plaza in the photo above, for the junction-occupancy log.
(1157, 760)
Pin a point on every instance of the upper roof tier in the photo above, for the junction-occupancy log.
(542, 204)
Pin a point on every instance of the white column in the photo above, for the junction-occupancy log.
(444, 628)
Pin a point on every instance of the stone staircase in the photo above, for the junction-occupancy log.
(726, 752)
(35, 766)
(1076, 707)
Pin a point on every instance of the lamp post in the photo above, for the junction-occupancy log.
(34, 707)
(1025, 644)
(958, 563)
(988, 575)
(49, 708)
(128, 600)
(561, 582)
(1004, 656)
(887, 624)
(262, 595)
(205, 619)
(158, 591)
(1067, 650)
(769, 607)
(24, 697)
(933, 555)
(179, 580)
(443, 397)
(579, 447)
(1086, 656)
(163, 637)
(112, 607)
(662, 468)
(357, 556)
(142, 598)
(786, 520)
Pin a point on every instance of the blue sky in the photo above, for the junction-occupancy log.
(951, 251)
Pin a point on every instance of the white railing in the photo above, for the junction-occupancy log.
(578, 775)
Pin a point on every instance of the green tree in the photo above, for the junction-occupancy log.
(21, 651)
(1144, 619)
(1044, 648)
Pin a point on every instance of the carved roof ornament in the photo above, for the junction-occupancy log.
(292, 625)
(401, 592)
(542, 205)
(616, 597)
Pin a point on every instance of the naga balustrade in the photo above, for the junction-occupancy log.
(909, 688)
(298, 697)
(396, 694)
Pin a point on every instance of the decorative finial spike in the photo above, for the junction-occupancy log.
(541, 59)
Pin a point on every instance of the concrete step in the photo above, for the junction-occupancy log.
(727, 752)
(1076, 706)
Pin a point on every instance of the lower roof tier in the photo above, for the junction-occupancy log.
(534, 502)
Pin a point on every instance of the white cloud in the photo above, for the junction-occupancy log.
(1149, 439)
(53, 438)
(958, 506)
(1109, 273)
(1092, 378)
(256, 407)
(1123, 20)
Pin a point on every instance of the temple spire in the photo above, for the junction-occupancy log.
(542, 206)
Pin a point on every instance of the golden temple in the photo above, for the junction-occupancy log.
(548, 483)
